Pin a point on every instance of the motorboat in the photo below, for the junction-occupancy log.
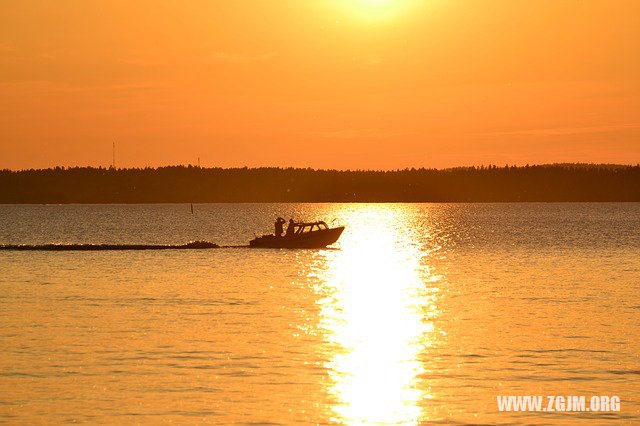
(305, 235)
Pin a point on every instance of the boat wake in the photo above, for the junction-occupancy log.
(192, 245)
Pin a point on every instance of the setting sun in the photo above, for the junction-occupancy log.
(372, 11)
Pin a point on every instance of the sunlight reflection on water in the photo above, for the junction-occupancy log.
(377, 315)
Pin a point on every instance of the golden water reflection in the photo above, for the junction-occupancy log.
(377, 311)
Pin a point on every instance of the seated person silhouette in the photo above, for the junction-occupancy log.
(291, 228)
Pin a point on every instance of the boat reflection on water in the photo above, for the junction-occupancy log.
(377, 310)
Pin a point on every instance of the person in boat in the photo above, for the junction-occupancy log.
(291, 229)
(279, 227)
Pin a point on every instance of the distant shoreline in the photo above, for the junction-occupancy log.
(189, 184)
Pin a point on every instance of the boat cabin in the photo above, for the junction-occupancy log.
(302, 228)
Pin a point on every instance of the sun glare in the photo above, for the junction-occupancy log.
(376, 3)
(374, 10)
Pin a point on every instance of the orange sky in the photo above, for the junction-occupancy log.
(321, 83)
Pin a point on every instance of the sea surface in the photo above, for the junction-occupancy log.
(421, 313)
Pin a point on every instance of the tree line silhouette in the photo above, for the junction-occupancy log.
(182, 184)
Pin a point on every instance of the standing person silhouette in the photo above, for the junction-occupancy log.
(291, 228)
(279, 227)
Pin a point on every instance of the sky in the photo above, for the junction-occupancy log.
(344, 84)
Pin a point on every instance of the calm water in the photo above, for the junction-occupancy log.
(423, 313)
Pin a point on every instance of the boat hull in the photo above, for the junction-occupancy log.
(314, 239)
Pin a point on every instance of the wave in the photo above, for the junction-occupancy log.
(192, 245)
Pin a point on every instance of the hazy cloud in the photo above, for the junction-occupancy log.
(140, 62)
(356, 134)
(237, 58)
(6, 48)
(560, 131)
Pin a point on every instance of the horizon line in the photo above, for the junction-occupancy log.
(480, 166)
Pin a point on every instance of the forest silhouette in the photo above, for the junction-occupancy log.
(181, 184)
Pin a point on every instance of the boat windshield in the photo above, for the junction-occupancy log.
(309, 227)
